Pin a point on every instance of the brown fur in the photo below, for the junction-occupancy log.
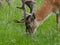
(46, 8)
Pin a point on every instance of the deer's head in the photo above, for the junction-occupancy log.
(30, 23)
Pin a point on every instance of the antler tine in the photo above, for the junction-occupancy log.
(19, 7)
(19, 21)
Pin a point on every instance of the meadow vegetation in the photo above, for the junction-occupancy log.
(12, 33)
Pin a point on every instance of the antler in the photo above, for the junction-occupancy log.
(24, 11)
(27, 19)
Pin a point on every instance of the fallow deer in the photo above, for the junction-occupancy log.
(33, 21)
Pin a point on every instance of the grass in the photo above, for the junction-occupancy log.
(13, 34)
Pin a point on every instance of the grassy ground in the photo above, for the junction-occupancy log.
(13, 34)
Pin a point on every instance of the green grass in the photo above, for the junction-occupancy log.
(12, 33)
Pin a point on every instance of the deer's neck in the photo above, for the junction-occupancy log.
(44, 11)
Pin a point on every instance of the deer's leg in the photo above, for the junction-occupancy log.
(1, 1)
(31, 5)
(58, 20)
(8, 2)
(0, 4)
(57, 12)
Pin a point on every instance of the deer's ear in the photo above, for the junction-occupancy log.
(19, 21)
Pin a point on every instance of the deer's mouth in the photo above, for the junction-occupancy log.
(30, 27)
